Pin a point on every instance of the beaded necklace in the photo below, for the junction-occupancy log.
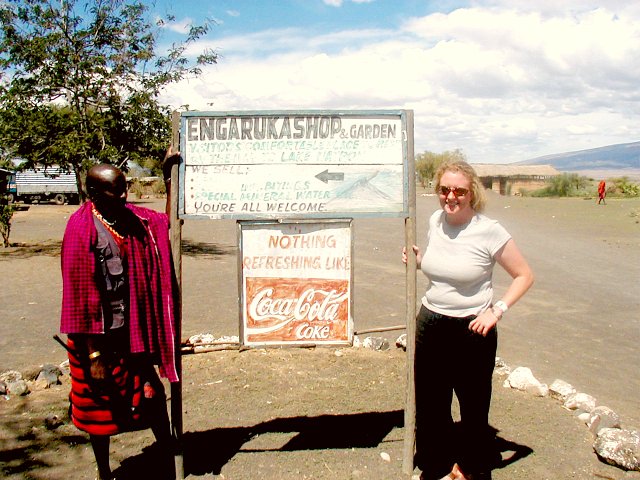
(108, 225)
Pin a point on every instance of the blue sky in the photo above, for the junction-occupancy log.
(503, 80)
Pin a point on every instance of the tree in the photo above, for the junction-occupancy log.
(79, 82)
(428, 162)
(6, 210)
(6, 214)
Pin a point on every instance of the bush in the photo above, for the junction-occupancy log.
(564, 185)
(625, 187)
(145, 189)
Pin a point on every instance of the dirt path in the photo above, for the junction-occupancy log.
(311, 414)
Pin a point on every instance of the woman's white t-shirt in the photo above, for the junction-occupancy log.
(458, 262)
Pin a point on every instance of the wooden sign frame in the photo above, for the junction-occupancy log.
(295, 280)
(294, 164)
(178, 211)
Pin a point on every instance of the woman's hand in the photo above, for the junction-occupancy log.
(416, 250)
(484, 322)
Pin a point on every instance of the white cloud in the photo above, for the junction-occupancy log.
(503, 82)
(180, 26)
(339, 3)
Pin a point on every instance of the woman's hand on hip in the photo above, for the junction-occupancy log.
(483, 323)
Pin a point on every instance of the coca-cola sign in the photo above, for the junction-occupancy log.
(296, 310)
(296, 283)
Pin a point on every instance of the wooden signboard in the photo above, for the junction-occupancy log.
(295, 283)
(311, 164)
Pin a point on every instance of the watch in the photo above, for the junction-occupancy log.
(501, 306)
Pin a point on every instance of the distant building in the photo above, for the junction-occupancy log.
(514, 179)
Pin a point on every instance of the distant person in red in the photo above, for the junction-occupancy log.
(602, 192)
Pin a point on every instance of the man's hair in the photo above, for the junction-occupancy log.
(478, 198)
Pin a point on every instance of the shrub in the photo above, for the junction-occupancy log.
(564, 185)
(626, 187)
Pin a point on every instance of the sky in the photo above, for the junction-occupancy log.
(501, 80)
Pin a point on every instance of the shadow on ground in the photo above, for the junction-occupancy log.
(194, 249)
(49, 248)
(208, 451)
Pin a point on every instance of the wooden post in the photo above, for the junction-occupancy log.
(176, 252)
(410, 240)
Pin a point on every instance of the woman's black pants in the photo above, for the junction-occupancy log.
(451, 358)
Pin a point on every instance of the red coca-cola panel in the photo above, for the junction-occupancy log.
(299, 310)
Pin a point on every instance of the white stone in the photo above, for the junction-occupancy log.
(561, 390)
(19, 387)
(499, 362)
(501, 367)
(540, 390)
(580, 401)
(10, 376)
(522, 379)
(584, 416)
(603, 417)
(385, 456)
(619, 447)
(200, 339)
(401, 341)
(376, 343)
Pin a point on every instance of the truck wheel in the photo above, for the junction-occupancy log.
(59, 199)
(10, 198)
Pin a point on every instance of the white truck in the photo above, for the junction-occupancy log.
(43, 185)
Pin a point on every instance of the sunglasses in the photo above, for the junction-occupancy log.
(457, 191)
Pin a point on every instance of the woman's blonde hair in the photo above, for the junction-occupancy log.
(478, 198)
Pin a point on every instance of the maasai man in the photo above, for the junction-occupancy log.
(602, 192)
(118, 310)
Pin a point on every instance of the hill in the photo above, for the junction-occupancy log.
(623, 158)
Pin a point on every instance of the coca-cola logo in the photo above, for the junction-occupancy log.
(312, 305)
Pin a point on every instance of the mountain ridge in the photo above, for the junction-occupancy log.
(622, 156)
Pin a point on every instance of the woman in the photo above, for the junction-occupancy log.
(456, 338)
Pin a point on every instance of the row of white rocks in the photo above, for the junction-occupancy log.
(612, 443)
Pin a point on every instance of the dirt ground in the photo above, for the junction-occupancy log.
(331, 412)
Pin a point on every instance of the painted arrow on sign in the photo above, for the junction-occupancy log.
(326, 176)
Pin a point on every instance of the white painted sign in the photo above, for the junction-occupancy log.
(292, 165)
(296, 283)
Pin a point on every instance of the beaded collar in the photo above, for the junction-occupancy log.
(108, 225)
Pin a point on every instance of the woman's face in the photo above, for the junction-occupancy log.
(455, 195)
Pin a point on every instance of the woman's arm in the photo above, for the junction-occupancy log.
(509, 258)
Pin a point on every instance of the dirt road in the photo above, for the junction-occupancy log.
(580, 323)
